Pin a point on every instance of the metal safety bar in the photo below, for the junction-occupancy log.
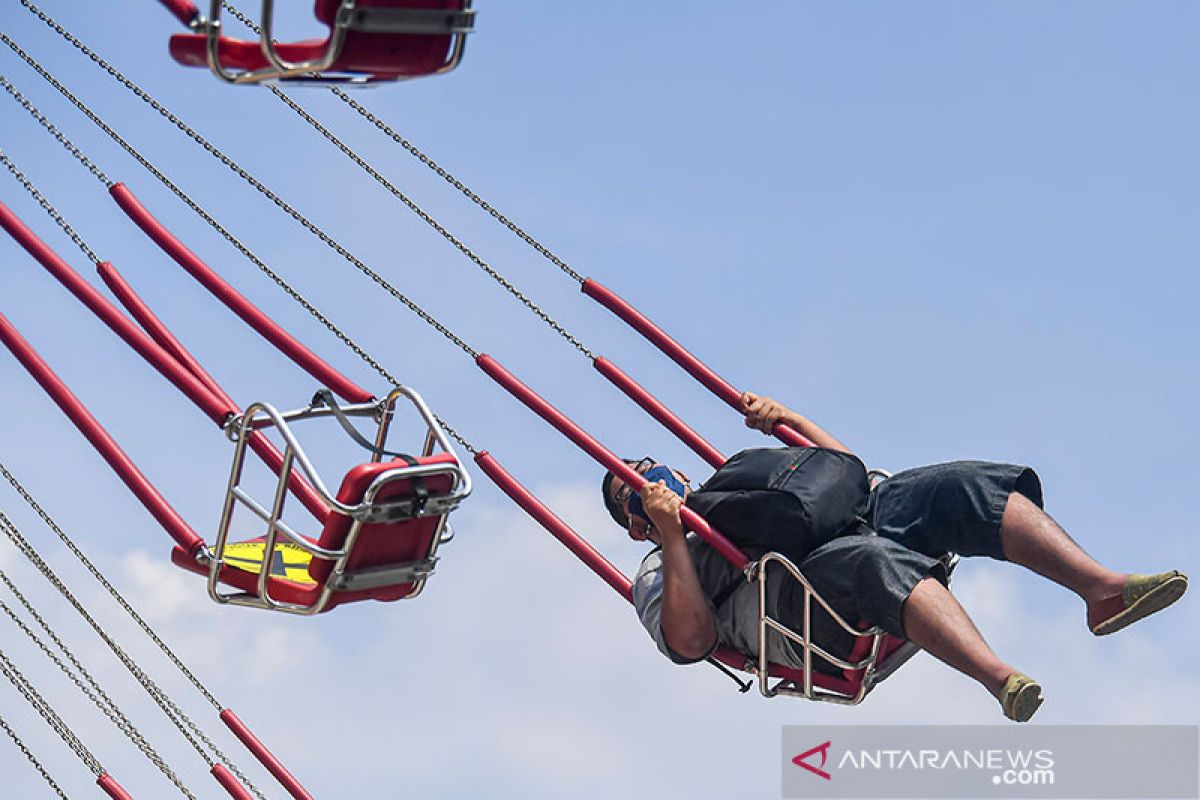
(371, 509)
(350, 18)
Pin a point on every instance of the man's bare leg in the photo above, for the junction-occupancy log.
(1034, 540)
(935, 622)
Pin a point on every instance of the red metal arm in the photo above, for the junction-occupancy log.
(264, 756)
(607, 458)
(306, 359)
(109, 450)
(229, 783)
(111, 788)
(654, 408)
(161, 335)
(551, 522)
(676, 352)
(183, 10)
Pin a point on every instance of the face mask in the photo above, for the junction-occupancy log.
(653, 475)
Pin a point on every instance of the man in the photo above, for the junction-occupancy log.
(893, 579)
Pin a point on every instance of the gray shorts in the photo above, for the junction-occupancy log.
(919, 516)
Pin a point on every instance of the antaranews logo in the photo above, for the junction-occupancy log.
(823, 749)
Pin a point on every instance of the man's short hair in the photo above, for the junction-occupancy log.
(615, 509)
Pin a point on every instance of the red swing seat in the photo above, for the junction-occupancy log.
(369, 41)
(383, 560)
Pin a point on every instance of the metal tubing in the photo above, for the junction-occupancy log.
(111, 788)
(229, 783)
(676, 352)
(188, 383)
(607, 458)
(551, 522)
(153, 326)
(306, 359)
(660, 412)
(272, 764)
(183, 10)
(109, 450)
(162, 336)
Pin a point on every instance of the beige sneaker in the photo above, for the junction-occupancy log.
(1141, 596)
(1021, 696)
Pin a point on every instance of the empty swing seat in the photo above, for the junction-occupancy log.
(369, 40)
(384, 550)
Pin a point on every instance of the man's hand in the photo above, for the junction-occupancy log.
(762, 413)
(662, 508)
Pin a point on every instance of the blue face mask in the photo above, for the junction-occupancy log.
(654, 475)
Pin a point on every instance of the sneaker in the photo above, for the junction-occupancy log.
(1141, 596)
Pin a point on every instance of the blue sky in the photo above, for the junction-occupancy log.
(943, 230)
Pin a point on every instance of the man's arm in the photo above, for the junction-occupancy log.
(762, 413)
(687, 619)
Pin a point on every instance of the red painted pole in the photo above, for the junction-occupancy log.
(111, 788)
(551, 522)
(183, 10)
(187, 383)
(163, 337)
(676, 352)
(305, 358)
(660, 412)
(109, 450)
(230, 783)
(264, 756)
(607, 458)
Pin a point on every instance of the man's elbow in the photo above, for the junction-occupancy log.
(694, 647)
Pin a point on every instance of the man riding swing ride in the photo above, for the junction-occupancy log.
(875, 555)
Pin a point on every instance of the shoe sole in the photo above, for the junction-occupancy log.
(1028, 700)
(1156, 599)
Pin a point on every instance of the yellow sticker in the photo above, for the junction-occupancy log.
(290, 561)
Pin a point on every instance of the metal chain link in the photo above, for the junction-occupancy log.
(224, 159)
(112, 590)
(185, 725)
(95, 693)
(278, 280)
(32, 758)
(433, 223)
(45, 204)
(46, 712)
(87, 162)
(429, 162)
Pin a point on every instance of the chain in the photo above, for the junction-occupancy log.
(87, 162)
(45, 204)
(275, 277)
(429, 162)
(433, 223)
(112, 590)
(237, 169)
(32, 758)
(95, 693)
(182, 722)
(47, 713)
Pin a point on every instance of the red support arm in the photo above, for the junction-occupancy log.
(264, 756)
(166, 340)
(654, 408)
(111, 788)
(676, 352)
(306, 359)
(154, 502)
(551, 522)
(230, 783)
(607, 458)
(184, 11)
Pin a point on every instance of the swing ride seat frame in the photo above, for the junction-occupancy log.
(874, 656)
(370, 41)
(376, 502)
